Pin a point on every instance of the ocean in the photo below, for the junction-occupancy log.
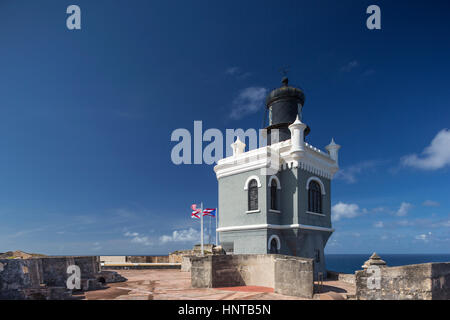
(349, 263)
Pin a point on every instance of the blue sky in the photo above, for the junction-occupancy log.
(86, 116)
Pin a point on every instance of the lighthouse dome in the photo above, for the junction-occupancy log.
(285, 92)
(284, 105)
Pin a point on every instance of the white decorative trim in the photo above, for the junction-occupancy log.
(274, 236)
(312, 160)
(315, 213)
(322, 187)
(253, 211)
(250, 179)
(274, 211)
(274, 226)
(276, 180)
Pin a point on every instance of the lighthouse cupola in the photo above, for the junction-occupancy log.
(284, 105)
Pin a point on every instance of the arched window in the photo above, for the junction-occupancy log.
(273, 195)
(253, 195)
(273, 246)
(314, 197)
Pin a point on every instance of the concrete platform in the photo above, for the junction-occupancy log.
(169, 284)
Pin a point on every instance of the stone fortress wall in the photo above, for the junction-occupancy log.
(288, 275)
(46, 278)
(427, 281)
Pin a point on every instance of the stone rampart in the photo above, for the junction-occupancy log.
(287, 275)
(428, 281)
(45, 277)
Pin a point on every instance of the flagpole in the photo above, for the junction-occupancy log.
(201, 225)
(217, 217)
(209, 230)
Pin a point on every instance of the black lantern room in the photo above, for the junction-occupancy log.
(284, 104)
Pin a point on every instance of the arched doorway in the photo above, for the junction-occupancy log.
(274, 244)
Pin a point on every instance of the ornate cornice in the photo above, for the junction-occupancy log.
(312, 160)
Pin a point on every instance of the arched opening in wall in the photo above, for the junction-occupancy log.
(274, 246)
(273, 195)
(253, 195)
(314, 197)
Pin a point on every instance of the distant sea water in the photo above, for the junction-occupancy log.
(349, 263)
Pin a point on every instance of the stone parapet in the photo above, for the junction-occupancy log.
(428, 281)
(286, 274)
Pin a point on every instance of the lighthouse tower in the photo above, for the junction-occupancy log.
(285, 210)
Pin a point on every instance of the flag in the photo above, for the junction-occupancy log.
(195, 212)
(209, 212)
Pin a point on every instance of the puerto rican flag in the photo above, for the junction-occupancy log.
(195, 212)
(209, 212)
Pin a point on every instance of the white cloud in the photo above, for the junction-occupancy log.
(187, 235)
(344, 210)
(404, 208)
(380, 210)
(233, 71)
(237, 72)
(136, 238)
(433, 157)
(430, 203)
(442, 223)
(248, 101)
(423, 237)
(349, 174)
(379, 224)
(405, 223)
(446, 224)
(350, 66)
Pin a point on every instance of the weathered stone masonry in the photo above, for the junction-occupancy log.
(286, 274)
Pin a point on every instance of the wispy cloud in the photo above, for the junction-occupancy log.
(424, 237)
(422, 223)
(378, 224)
(430, 203)
(248, 101)
(187, 235)
(237, 72)
(345, 210)
(441, 223)
(232, 71)
(137, 238)
(404, 208)
(433, 157)
(349, 174)
(26, 232)
(350, 66)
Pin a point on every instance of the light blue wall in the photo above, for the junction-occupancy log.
(233, 205)
(233, 201)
